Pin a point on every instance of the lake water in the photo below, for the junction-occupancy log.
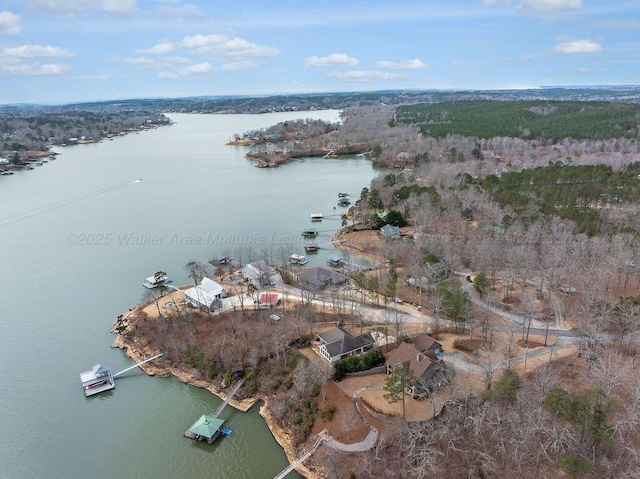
(78, 236)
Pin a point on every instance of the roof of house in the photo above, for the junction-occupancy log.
(390, 230)
(256, 270)
(320, 277)
(269, 298)
(338, 341)
(205, 293)
(422, 366)
(424, 343)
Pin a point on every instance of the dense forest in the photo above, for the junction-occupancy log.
(541, 120)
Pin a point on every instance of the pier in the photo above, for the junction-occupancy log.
(300, 460)
(136, 365)
(228, 398)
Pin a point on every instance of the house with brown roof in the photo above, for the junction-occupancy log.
(423, 343)
(336, 344)
(425, 366)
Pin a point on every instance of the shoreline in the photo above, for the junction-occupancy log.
(138, 354)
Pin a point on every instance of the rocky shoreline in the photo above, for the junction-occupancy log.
(185, 375)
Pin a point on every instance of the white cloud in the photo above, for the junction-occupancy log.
(36, 51)
(577, 46)
(365, 76)
(196, 69)
(215, 45)
(168, 75)
(236, 66)
(34, 69)
(146, 62)
(415, 64)
(546, 6)
(10, 23)
(81, 7)
(332, 60)
(140, 61)
(496, 2)
(158, 49)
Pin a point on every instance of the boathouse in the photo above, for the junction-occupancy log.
(206, 428)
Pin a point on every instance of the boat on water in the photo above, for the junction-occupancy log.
(7, 173)
(310, 232)
(311, 247)
(97, 380)
(316, 217)
(343, 195)
(344, 202)
(298, 259)
(152, 282)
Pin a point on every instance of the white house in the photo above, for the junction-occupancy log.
(206, 295)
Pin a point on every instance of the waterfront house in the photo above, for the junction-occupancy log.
(337, 343)
(257, 273)
(320, 277)
(207, 295)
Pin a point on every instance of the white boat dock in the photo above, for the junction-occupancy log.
(99, 378)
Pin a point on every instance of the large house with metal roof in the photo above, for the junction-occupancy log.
(207, 295)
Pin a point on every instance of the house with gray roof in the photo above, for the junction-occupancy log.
(337, 343)
(320, 277)
(390, 232)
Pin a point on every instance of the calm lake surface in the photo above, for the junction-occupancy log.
(78, 235)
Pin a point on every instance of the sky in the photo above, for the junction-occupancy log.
(64, 51)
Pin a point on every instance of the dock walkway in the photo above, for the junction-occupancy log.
(301, 459)
(228, 398)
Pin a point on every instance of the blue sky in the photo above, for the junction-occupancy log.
(60, 51)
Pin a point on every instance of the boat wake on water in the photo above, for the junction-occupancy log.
(9, 220)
